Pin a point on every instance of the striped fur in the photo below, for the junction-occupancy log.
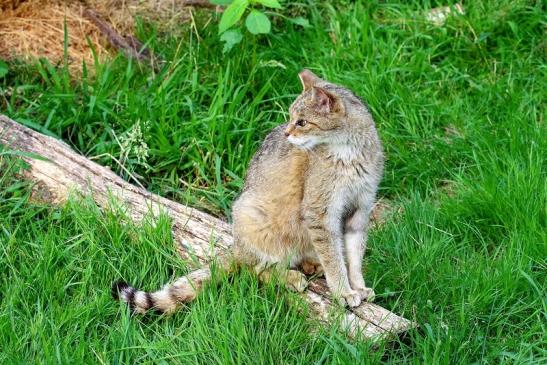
(169, 298)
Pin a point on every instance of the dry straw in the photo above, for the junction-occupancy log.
(32, 29)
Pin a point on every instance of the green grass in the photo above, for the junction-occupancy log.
(459, 108)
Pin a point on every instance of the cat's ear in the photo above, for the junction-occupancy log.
(308, 79)
(326, 102)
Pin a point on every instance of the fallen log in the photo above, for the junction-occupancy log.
(199, 236)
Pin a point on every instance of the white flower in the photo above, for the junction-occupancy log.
(132, 144)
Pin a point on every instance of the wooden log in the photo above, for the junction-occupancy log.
(199, 236)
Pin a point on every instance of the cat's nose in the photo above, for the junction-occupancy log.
(288, 130)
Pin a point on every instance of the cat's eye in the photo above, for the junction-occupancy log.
(301, 122)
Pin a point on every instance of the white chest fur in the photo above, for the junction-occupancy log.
(343, 152)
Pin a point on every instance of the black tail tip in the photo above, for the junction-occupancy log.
(117, 288)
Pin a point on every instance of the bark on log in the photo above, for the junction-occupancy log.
(199, 236)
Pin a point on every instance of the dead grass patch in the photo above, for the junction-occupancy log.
(32, 29)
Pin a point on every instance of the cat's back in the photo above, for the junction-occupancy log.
(276, 161)
(271, 198)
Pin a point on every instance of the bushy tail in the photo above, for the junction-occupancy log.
(171, 296)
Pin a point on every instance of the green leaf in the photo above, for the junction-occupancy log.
(300, 21)
(220, 2)
(270, 3)
(3, 69)
(232, 14)
(231, 38)
(257, 22)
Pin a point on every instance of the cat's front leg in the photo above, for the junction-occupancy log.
(328, 243)
(355, 240)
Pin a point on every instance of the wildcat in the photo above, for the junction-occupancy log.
(305, 203)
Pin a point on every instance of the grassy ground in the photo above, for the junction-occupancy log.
(459, 108)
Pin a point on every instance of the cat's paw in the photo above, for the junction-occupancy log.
(296, 281)
(366, 294)
(311, 268)
(351, 298)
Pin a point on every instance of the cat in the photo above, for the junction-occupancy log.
(306, 201)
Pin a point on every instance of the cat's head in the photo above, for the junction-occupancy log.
(320, 113)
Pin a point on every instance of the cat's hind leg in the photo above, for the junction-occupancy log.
(310, 263)
(293, 280)
(312, 268)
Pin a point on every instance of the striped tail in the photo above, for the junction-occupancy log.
(170, 297)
